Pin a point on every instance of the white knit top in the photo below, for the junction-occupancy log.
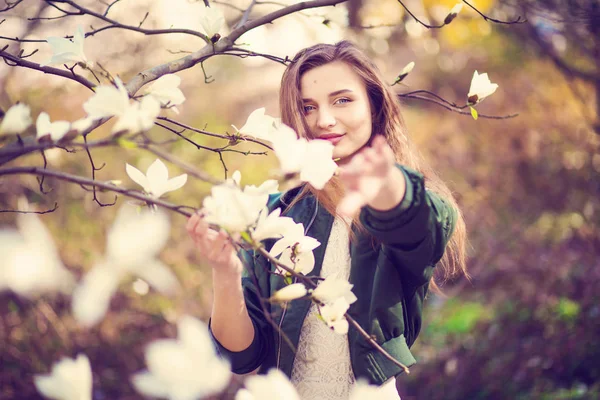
(322, 369)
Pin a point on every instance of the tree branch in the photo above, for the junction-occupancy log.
(37, 171)
(17, 61)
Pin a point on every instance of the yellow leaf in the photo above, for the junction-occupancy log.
(474, 113)
(126, 144)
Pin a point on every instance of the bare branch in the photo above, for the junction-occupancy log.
(116, 24)
(10, 6)
(32, 212)
(220, 46)
(86, 181)
(246, 14)
(13, 61)
(94, 169)
(109, 7)
(243, 53)
(447, 105)
(519, 19)
(204, 132)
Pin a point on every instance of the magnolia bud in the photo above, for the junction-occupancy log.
(453, 13)
(405, 71)
(290, 292)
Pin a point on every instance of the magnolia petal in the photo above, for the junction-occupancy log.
(138, 177)
(108, 101)
(16, 119)
(148, 385)
(157, 175)
(159, 276)
(175, 183)
(193, 334)
(91, 299)
(244, 394)
(290, 292)
(49, 387)
(59, 129)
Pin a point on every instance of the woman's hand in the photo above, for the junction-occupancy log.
(214, 247)
(371, 178)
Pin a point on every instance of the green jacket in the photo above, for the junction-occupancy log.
(390, 270)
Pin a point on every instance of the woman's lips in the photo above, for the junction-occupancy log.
(332, 138)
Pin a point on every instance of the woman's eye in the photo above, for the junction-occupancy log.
(308, 109)
(342, 101)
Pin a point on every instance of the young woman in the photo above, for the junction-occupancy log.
(404, 225)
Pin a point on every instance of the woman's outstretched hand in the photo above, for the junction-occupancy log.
(371, 178)
(214, 247)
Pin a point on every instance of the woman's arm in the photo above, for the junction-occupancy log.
(413, 224)
(231, 323)
(416, 231)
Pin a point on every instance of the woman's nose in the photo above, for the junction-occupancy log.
(326, 119)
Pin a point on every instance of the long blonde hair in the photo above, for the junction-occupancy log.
(387, 121)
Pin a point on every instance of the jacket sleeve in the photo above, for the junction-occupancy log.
(414, 234)
(248, 360)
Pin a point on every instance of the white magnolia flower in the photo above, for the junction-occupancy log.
(294, 236)
(156, 182)
(30, 263)
(481, 87)
(259, 125)
(139, 116)
(272, 225)
(301, 262)
(166, 91)
(290, 292)
(333, 315)
(312, 160)
(184, 369)
(54, 131)
(134, 242)
(232, 209)
(332, 288)
(211, 20)
(108, 101)
(16, 120)
(70, 379)
(295, 250)
(272, 386)
(66, 51)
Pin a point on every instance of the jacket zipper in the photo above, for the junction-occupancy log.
(285, 304)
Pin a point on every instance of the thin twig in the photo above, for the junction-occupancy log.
(86, 181)
(32, 212)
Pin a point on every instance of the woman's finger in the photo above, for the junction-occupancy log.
(191, 223)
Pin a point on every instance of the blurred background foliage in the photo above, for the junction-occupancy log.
(527, 323)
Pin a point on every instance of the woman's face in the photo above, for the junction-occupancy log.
(337, 108)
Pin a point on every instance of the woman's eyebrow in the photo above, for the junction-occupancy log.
(332, 94)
